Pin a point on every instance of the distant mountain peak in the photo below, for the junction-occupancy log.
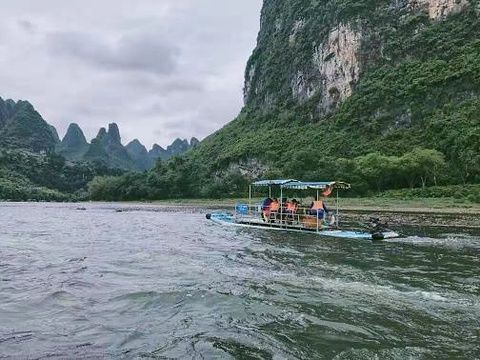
(157, 147)
(139, 154)
(73, 145)
(22, 127)
(194, 142)
(74, 135)
(107, 148)
(136, 145)
(114, 133)
(102, 133)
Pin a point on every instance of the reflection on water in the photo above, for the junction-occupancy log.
(98, 283)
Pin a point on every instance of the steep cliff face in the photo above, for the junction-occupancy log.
(319, 51)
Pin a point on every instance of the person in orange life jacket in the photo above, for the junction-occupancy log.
(292, 206)
(274, 205)
(318, 208)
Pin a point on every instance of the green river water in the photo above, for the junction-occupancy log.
(153, 282)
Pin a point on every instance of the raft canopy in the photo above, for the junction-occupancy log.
(301, 185)
(318, 185)
(273, 182)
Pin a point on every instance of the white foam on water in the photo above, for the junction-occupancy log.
(447, 240)
(387, 293)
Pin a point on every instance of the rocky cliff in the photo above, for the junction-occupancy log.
(319, 51)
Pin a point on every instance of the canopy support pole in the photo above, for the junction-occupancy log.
(281, 206)
(336, 217)
(270, 192)
(249, 198)
(317, 214)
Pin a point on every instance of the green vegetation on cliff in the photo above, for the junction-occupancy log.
(21, 127)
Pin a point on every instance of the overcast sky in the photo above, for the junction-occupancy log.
(161, 69)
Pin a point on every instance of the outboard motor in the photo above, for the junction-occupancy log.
(377, 228)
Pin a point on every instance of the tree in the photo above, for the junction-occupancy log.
(424, 164)
(376, 170)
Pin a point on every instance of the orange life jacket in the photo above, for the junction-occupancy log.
(317, 205)
(274, 206)
(291, 206)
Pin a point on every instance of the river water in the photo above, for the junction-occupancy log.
(169, 284)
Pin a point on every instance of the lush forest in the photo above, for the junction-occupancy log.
(28, 176)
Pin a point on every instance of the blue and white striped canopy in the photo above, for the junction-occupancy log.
(301, 185)
(273, 182)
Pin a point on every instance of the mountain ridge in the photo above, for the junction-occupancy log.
(22, 127)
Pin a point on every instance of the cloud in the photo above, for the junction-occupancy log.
(138, 52)
(27, 26)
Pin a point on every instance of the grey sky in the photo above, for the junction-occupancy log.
(161, 69)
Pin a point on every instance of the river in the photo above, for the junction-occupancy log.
(169, 284)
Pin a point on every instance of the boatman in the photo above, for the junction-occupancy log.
(318, 208)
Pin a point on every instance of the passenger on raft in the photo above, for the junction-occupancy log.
(318, 208)
(274, 208)
(266, 208)
(292, 206)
